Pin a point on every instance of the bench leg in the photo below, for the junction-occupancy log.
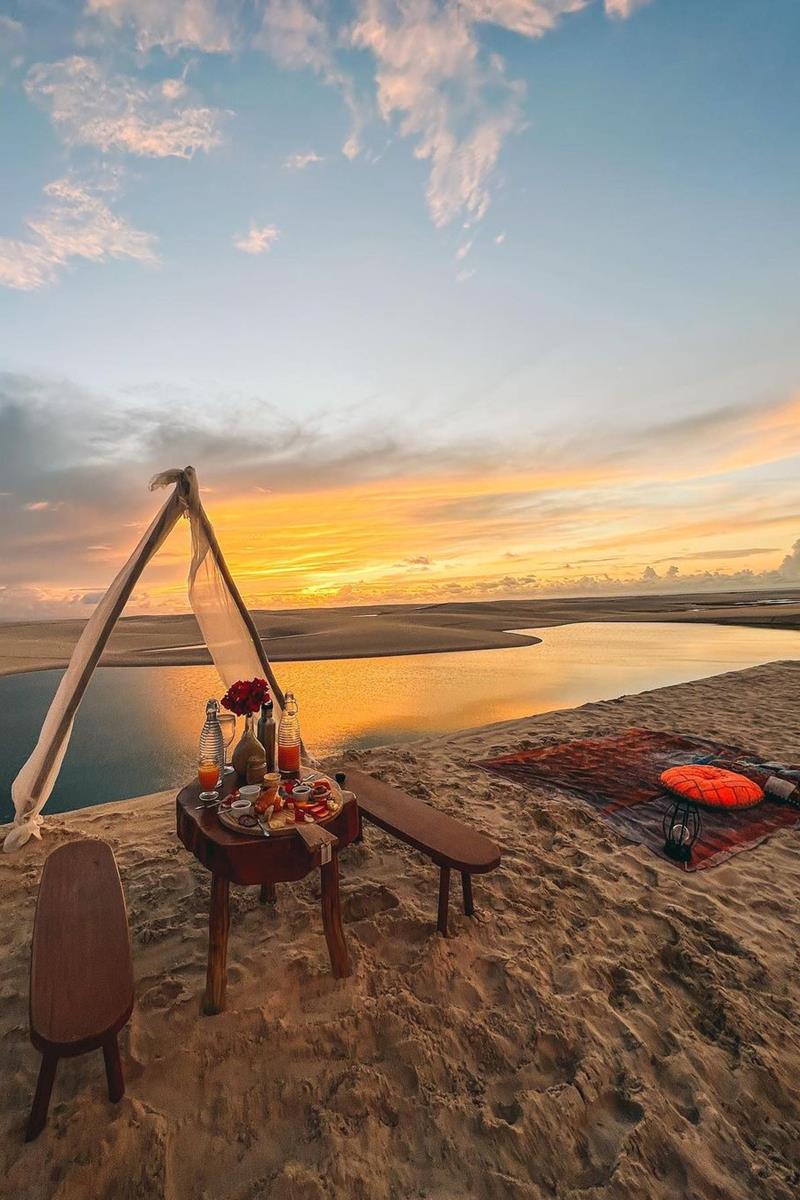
(466, 888)
(218, 925)
(444, 900)
(114, 1076)
(41, 1101)
(332, 918)
(268, 894)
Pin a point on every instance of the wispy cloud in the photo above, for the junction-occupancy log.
(297, 35)
(624, 8)
(258, 239)
(117, 112)
(302, 159)
(74, 223)
(173, 25)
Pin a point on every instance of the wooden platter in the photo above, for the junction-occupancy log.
(282, 823)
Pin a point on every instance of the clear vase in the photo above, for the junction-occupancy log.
(247, 748)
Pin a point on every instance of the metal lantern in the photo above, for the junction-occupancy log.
(681, 827)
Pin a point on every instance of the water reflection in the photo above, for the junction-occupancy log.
(137, 728)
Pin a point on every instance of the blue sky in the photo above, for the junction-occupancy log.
(490, 240)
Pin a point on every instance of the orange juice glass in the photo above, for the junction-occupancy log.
(208, 777)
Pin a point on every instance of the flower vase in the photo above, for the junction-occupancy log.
(246, 748)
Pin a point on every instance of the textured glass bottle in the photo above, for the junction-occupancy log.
(212, 745)
(247, 748)
(289, 738)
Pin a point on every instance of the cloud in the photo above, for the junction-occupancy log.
(431, 75)
(790, 567)
(301, 160)
(348, 504)
(117, 112)
(623, 8)
(258, 240)
(74, 223)
(173, 25)
(721, 554)
(296, 35)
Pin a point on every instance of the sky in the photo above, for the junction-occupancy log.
(443, 300)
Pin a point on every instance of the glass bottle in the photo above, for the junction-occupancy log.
(212, 743)
(289, 738)
(247, 748)
(266, 733)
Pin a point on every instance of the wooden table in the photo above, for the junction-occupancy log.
(236, 858)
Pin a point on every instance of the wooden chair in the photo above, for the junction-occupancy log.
(81, 991)
(451, 844)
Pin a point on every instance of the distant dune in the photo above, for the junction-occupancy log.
(377, 630)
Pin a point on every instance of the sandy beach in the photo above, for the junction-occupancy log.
(606, 1028)
(367, 631)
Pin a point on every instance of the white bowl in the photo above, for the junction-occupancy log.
(241, 805)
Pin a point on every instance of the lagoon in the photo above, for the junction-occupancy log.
(137, 729)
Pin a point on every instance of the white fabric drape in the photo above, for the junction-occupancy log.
(225, 624)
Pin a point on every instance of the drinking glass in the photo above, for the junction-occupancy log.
(208, 775)
(227, 723)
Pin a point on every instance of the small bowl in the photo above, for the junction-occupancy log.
(241, 806)
(250, 792)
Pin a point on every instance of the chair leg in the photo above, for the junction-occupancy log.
(41, 1101)
(114, 1076)
(466, 888)
(268, 894)
(444, 900)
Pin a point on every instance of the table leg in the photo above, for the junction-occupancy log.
(332, 918)
(444, 900)
(466, 888)
(114, 1075)
(268, 894)
(218, 925)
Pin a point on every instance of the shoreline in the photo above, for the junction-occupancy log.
(577, 1036)
(386, 631)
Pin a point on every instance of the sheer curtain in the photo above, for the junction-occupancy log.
(226, 626)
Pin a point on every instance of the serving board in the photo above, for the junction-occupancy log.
(281, 825)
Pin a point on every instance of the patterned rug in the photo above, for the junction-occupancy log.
(619, 777)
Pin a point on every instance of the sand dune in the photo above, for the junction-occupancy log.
(365, 632)
(606, 1028)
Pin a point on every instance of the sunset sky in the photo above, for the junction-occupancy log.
(442, 300)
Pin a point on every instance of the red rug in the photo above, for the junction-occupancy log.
(619, 777)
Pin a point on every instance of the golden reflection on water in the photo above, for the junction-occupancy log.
(367, 701)
(137, 729)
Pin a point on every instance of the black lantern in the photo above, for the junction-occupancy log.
(681, 829)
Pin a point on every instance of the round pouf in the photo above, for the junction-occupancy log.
(712, 787)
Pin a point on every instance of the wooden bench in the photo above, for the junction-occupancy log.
(452, 845)
(81, 972)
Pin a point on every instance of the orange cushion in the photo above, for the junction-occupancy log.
(712, 787)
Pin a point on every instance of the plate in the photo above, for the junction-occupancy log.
(280, 824)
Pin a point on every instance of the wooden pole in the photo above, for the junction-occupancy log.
(244, 613)
(167, 519)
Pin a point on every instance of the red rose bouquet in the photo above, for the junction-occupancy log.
(246, 696)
